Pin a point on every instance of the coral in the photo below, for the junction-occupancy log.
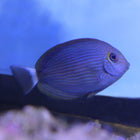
(32, 123)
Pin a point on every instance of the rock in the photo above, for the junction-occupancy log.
(32, 123)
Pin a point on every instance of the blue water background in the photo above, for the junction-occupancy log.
(30, 27)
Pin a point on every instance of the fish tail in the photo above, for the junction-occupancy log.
(26, 77)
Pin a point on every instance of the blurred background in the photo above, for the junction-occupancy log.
(30, 27)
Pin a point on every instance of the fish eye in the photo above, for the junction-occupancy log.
(113, 57)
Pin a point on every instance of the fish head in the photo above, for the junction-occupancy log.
(114, 67)
(115, 63)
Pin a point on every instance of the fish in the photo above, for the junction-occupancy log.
(76, 69)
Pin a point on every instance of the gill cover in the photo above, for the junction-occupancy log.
(110, 68)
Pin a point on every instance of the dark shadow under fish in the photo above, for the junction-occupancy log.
(110, 109)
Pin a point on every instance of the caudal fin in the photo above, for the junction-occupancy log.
(25, 76)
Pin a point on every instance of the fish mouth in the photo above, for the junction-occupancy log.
(128, 65)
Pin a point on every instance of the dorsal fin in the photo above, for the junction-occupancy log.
(25, 76)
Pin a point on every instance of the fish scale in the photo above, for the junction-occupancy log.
(79, 67)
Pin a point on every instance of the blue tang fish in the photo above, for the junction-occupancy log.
(74, 69)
